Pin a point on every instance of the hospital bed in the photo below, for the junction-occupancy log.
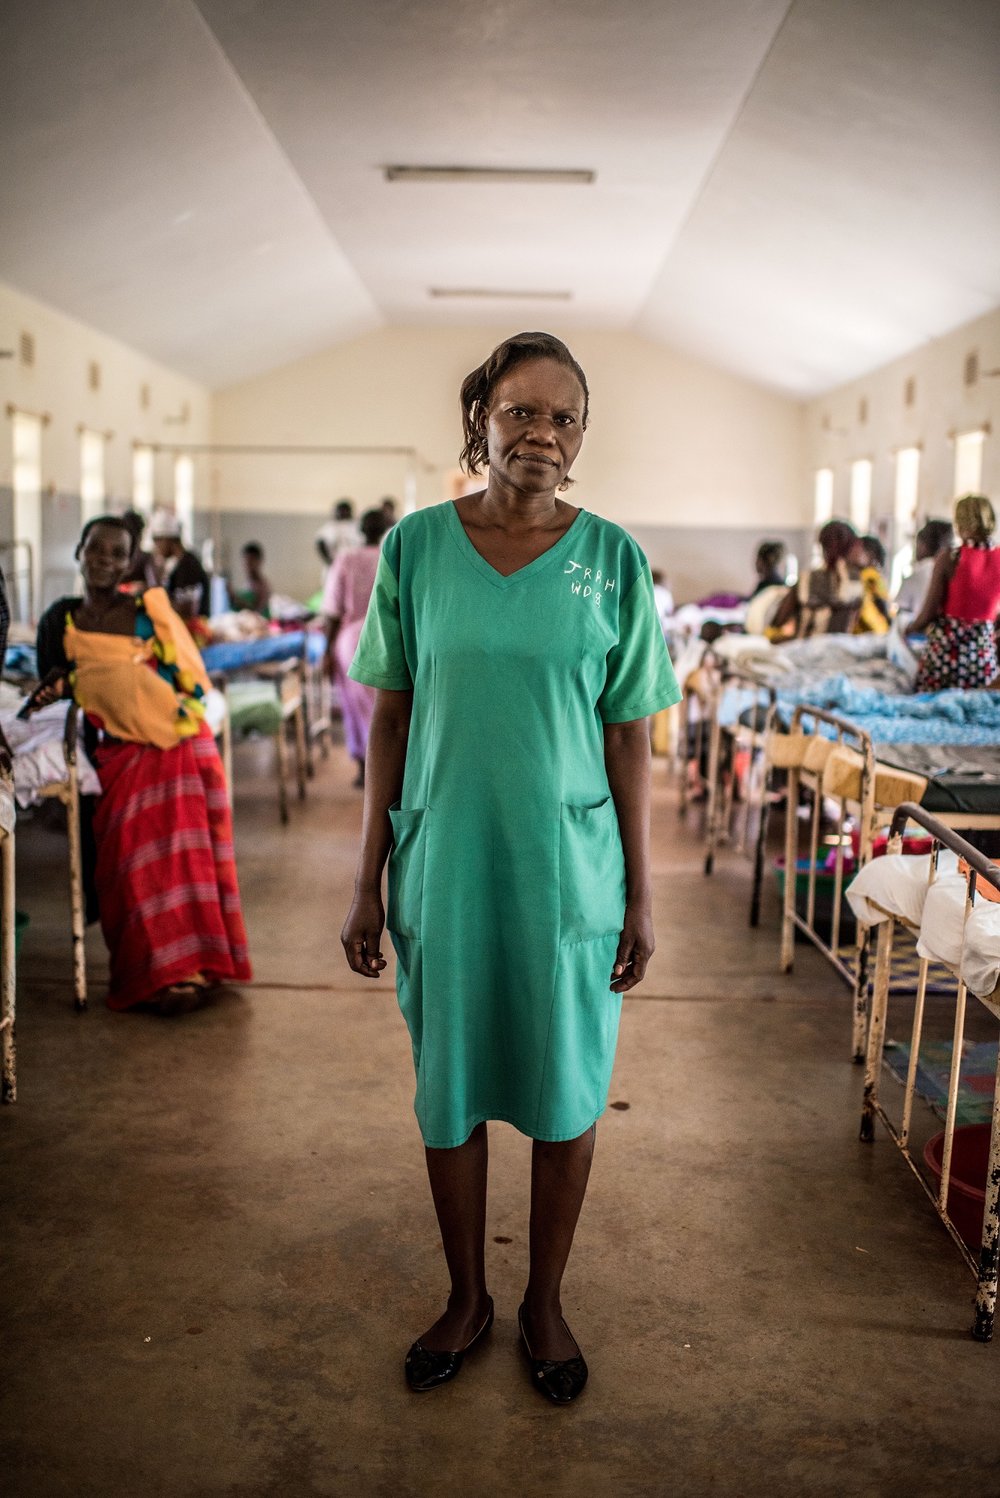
(949, 900)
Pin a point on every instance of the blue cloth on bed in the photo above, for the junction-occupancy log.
(954, 717)
(21, 660)
(266, 650)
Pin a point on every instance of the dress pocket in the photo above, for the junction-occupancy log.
(406, 869)
(591, 872)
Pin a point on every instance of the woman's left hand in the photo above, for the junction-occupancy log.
(635, 947)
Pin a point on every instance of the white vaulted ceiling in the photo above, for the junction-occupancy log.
(796, 192)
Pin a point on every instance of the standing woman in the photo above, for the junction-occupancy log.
(514, 642)
(165, 876)
(346, 592)
(960, 609)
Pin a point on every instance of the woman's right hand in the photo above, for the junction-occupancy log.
(362, 934)
(53, 687)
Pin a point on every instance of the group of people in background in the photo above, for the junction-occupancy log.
(159, 869)
(948, 606)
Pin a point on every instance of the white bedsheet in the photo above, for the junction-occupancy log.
(38, 752)
(898, 884)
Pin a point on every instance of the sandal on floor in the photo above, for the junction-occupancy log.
(179, 998)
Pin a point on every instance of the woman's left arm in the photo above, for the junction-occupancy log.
(627, 760)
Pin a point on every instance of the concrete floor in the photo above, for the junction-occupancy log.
(219, 1241)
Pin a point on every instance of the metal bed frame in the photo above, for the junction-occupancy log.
(290, 681)
(8, 963)
(696, 727)
(865, 810)
(68, 793)
(977, 867)
(752, 737)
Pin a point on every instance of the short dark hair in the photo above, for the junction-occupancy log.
(136, 522)
(343, 509)
(770, 554)
(373, 525)
(253, 549)
(118, 522)
(936, 536)
(875, 550)
(478, 387)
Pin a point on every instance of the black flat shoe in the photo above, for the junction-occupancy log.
(560, 1382)
(427, 1370)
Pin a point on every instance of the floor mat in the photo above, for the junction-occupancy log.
(905, 965)
(976, 1080)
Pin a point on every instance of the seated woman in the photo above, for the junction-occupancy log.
(166, 876)
(960, 609)
(933, 537)
(827, 598)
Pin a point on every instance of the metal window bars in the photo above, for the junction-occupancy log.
(976, 868)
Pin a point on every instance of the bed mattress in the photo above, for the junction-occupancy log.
(959, 778)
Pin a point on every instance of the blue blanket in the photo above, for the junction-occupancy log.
(265, 651)
(954, 717)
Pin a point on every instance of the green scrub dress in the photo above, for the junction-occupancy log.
(506, 878)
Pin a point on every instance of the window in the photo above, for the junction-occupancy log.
(969, 462)
(823, 496)
(26, 562)
(142, 479)
(904, 513)
(91, 474)
(184, 494)
(861, 494)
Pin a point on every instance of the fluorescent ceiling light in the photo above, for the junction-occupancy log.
(496, 294)
(491, 175)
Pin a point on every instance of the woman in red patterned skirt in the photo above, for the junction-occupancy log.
(165, 876)
(960, 609)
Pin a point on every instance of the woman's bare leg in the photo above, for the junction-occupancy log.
(458, 1186)
(559, 1175)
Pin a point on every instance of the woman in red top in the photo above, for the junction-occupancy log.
(961, 607)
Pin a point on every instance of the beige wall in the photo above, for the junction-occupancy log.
(672, 441)
(57, 384)
(943, 405)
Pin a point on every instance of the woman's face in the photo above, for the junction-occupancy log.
(105, 556)
(534, 425)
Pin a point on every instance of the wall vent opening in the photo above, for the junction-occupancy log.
(93, 375)
(910, 392)
(863, 411)
(27, 349)
(971, 368)
(144, 397)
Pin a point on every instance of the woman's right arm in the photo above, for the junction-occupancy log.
(384, 766)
